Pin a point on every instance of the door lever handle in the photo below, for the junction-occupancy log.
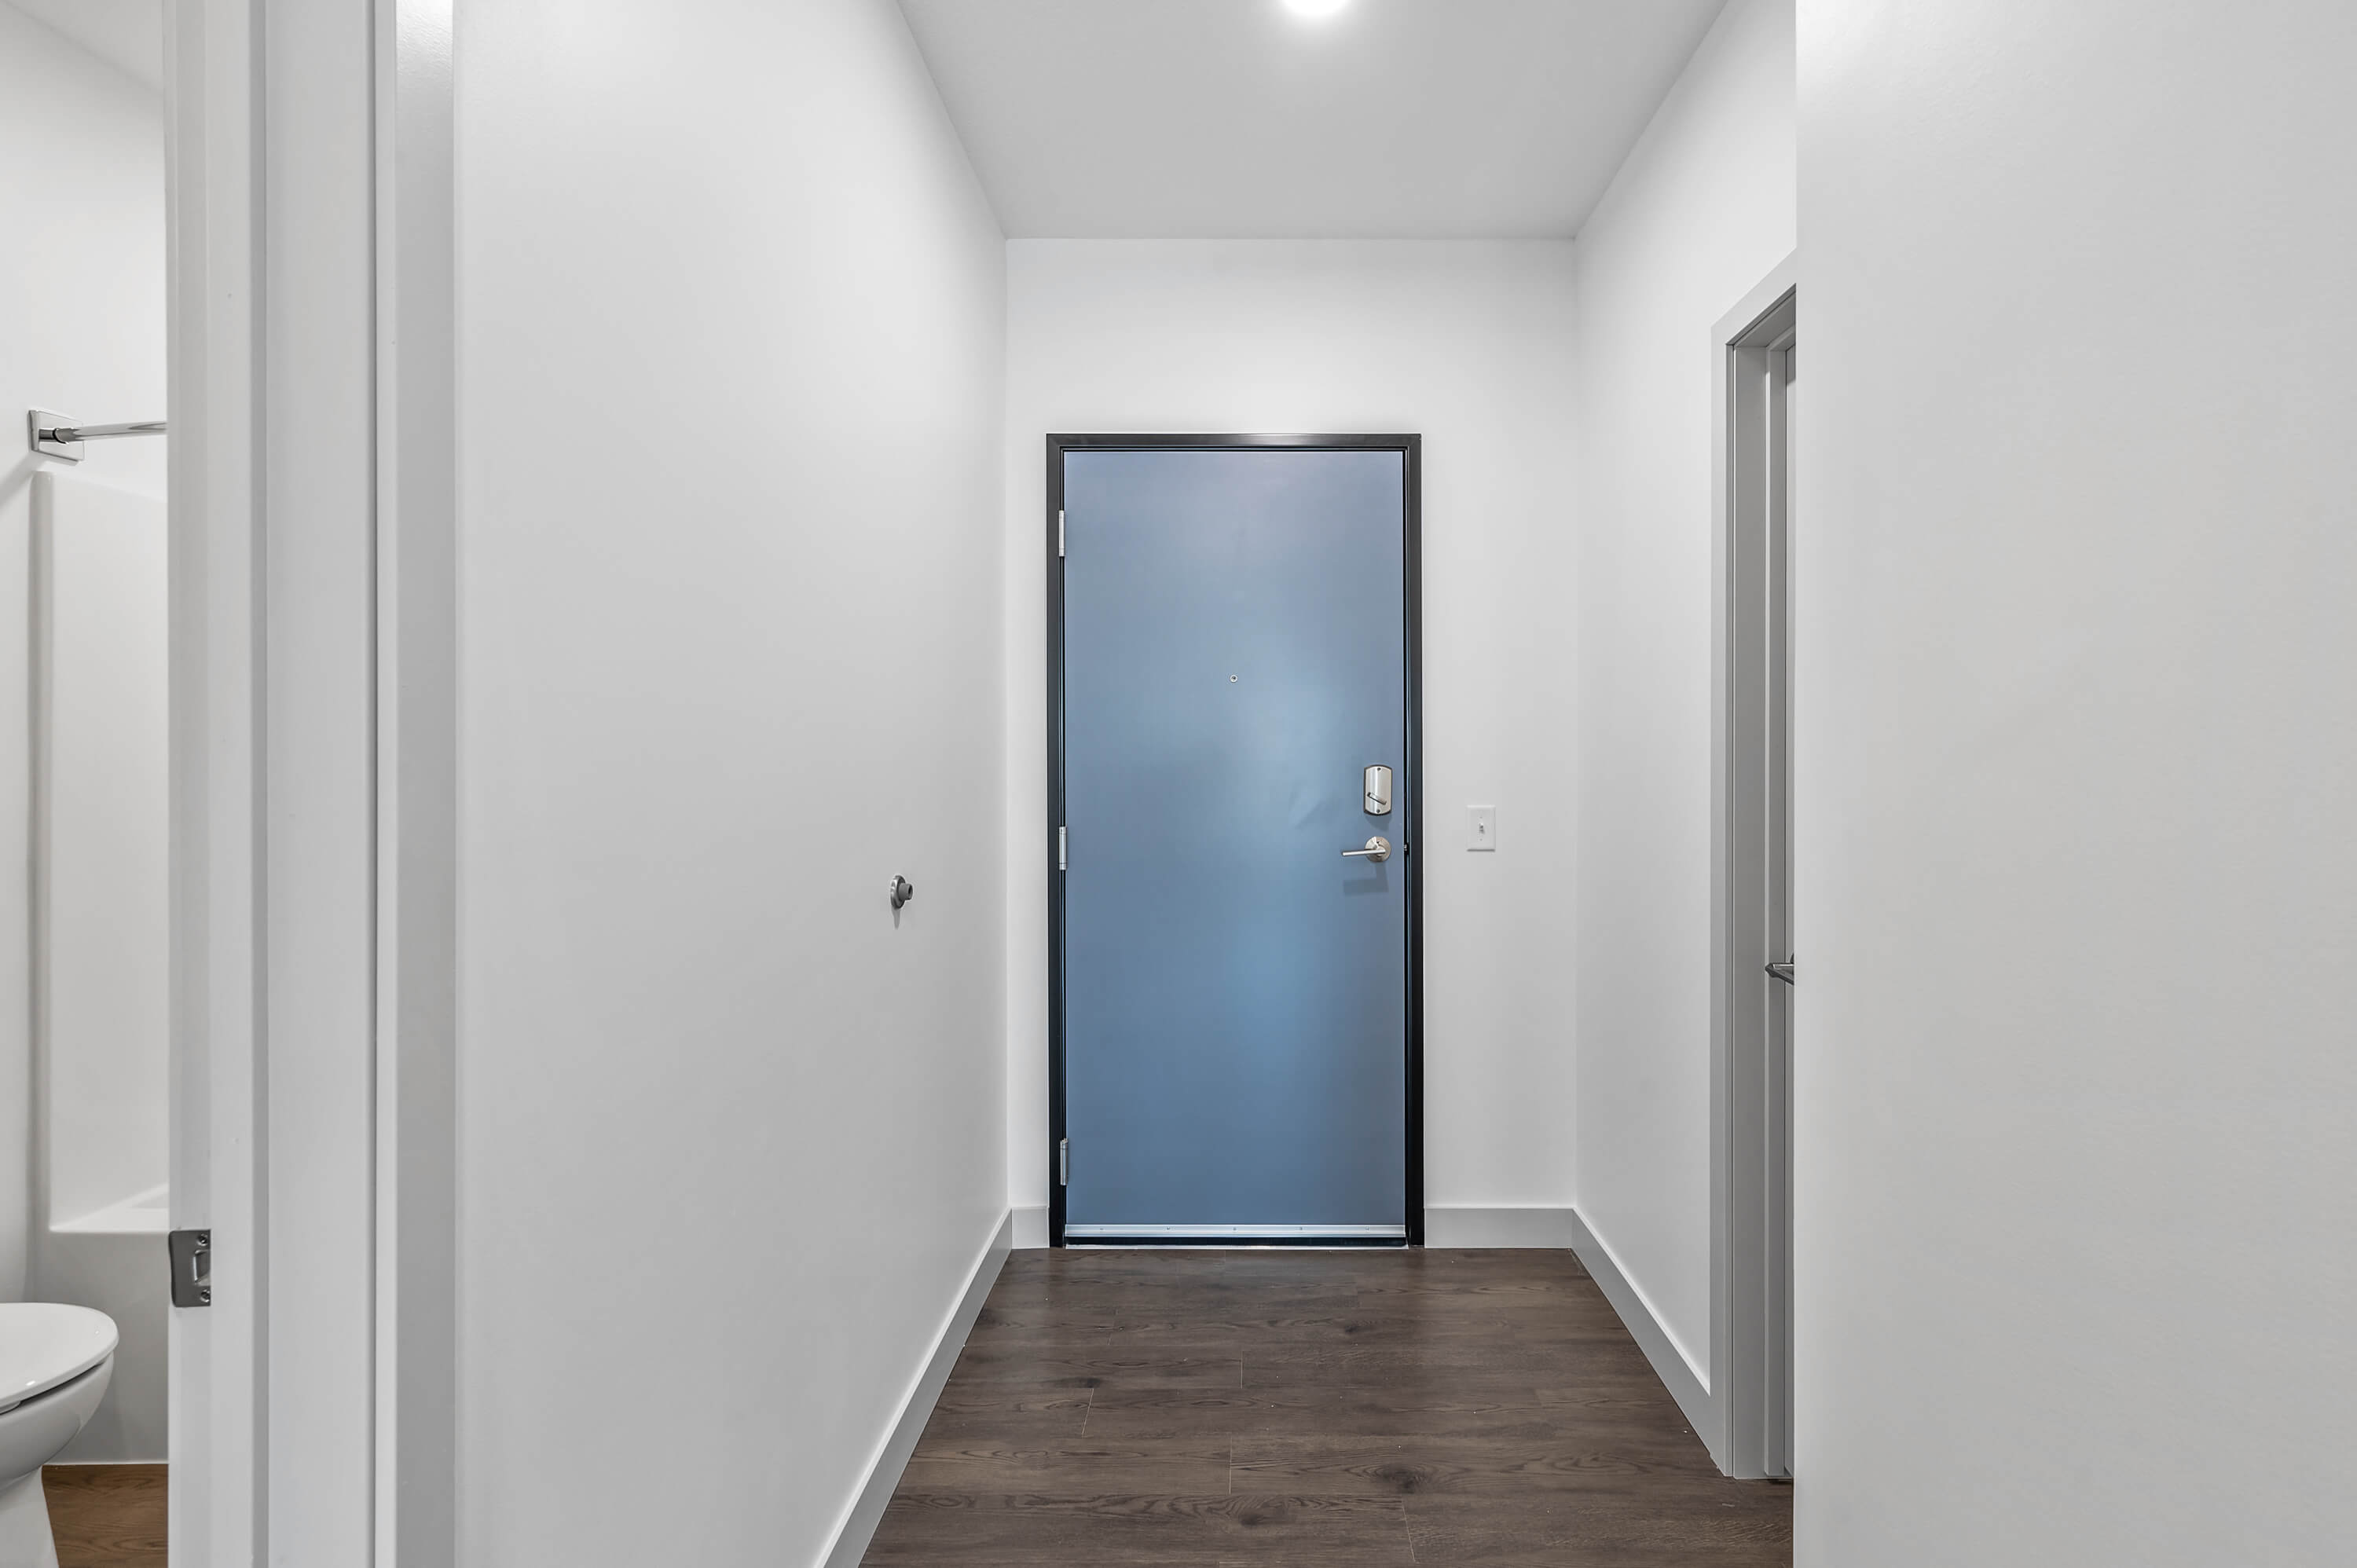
(1379, 850)
(1782, 972)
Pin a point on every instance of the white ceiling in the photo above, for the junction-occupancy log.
(126, 33)
(1236, 118)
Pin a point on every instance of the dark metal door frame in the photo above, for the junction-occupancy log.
(1410, 448)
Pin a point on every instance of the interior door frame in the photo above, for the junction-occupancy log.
(1750, 1218)
(310, 225)
(1411, 449)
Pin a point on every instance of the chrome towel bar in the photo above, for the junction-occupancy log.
(54, 436)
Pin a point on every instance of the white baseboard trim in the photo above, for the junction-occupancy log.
(857, 1526)
(1030, 1228)
(1533, 1227)
(1685, 1382)
(1563, 1228)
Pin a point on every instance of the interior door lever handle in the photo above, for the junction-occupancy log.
(1379, 850)
(1782, 972)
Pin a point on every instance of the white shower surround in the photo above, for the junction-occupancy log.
(101, 864)
(100, 1197)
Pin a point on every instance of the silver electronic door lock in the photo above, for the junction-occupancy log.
(1379, 791)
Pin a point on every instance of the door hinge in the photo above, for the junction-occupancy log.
(1059, 849)
(1063, 1162)
(1059, 533)
(192, 1267)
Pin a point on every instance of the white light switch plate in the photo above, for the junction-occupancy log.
(1482, 833)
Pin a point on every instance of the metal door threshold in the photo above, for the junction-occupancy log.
(1236, 1235)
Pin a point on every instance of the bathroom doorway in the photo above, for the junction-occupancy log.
(84, 556)
(240, 888)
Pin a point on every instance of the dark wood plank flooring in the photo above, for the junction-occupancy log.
(1179, 1408)
(106, 1516)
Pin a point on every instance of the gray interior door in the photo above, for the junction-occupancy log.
(1235, 987)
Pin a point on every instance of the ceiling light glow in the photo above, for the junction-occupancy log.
(1315, 8)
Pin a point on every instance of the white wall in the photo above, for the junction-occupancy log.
(1469, 344)
(1699, 214)
(81, 331)
(731, 1136)
(2077, 751)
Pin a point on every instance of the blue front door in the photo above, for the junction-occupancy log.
(1235, 989)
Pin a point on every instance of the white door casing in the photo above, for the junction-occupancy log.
(1747, 1400)
(311, 589)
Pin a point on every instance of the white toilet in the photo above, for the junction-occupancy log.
(54, 1365)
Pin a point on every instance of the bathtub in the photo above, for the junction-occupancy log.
(114, 1259)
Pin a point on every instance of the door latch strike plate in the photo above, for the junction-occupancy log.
(1063, 1162)
(192, 1268)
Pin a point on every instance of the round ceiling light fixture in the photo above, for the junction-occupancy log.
(1315, 8)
